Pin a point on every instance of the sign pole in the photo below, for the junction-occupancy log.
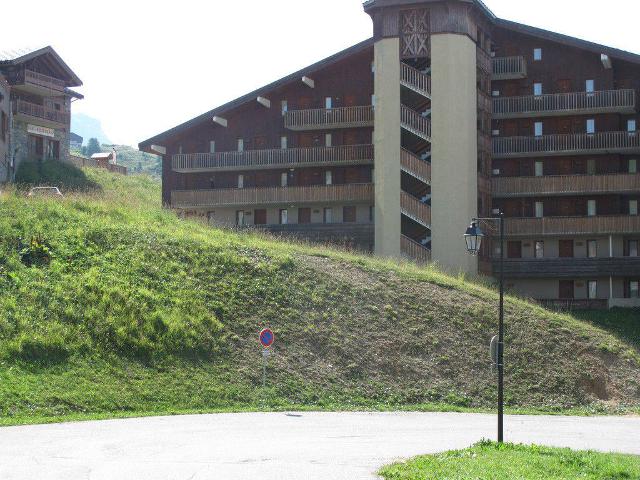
(266, 340)
(265, 356)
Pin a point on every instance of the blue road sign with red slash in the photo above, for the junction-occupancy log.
(267, 337)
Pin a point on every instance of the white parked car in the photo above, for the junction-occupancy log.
(44, 192)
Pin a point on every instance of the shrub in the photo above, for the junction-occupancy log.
(53, 173)
(35, 253)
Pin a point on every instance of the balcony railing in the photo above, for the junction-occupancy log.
(415, 209)
(415, 80)
(414, 251)
(415, 123)
(29, 77)
(413, 165)
(567, 144)
(321, 119)
(567, 226)
(606, 101)
(40, 111)
(565, 185)
(570, 267)
(352, 193)
(509, 68)
(275, 158)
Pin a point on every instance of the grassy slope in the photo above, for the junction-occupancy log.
(140, 312)
(487, 461)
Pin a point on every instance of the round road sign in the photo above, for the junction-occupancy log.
(267, 337)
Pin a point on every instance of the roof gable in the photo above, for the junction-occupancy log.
(47, 54)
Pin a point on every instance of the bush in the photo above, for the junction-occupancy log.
(35, 253)
(53, 173)
(50, 348)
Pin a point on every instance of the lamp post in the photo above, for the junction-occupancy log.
(473, 237)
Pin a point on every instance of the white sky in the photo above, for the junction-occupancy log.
(150, 65)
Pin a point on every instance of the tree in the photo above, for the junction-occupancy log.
(93, 147)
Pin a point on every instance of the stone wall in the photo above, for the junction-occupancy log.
(5, 143)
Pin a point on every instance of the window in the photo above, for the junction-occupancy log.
(212, 146)
(566, 290)
(373, 100)
(373, 67)
(592, 248)
(241, 145)
(632, 248)
(539, 209)
(537, 54)
(634, 289)
(537, 89)
(240, 217)
(538, 129)
(179, 149)
(4, 126)
(592, 292)
(283, 142)
(284, 216)
(328, 103)
(590, 86)
(514, 249)
(633, 207)
(328, 215)
(349, 214)
(372, 213)
(631, 126)
(591, 166)
(284, 179)
(539, 168)
(633, 166)
(592, 209)
(284, 105)
(36, 146)
(53, 149)
(591, 126)
(539, 253)
(328, 177)
(328, 140)
(240, 181)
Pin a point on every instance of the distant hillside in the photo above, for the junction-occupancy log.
(112, 305)
(88, 127)
(136, 161)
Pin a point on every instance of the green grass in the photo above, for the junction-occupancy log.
(490, 461)
(139, 312)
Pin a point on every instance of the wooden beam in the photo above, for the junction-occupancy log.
(606, 61)
(309, 82)
(220, 121)
(265, 102)
(159, 149)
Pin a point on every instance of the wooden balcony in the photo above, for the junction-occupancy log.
(509, 68)
(414, 251)
(40, 112)
(414, 166)
(230, 197)
(570, 267)
(275, 158)
(579, 103)
(567, 226)
(415, 80)
(415, 209)
(568, 144)
(504, 187)
(327, 119)
(415, 123)
(37, 82)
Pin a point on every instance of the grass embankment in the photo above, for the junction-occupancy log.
(489, 461)
(138, 312)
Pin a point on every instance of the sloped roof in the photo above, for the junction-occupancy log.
(102, 156)
(18, 56)
(251, 97)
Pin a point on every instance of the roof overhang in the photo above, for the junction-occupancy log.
(72, 78)
(371, 5)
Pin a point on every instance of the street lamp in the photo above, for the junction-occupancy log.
(473, 238)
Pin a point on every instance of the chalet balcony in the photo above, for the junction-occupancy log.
(579, 103)
(274, 158)
(37, 83)
(414, 166)
(504, 187)
(414, 251)
(567, 144)
(415, 80)
(415, 209)
(41, 113)
(415, 123)
(231, 197)
(509, 68)
(567, 226)
(570, 267)
(327, 119)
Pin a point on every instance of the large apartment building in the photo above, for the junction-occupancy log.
(447, 113)
(37, 105)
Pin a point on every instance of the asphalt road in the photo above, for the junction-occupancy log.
(307, 446)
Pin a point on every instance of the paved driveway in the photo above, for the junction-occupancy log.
(308, 446)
